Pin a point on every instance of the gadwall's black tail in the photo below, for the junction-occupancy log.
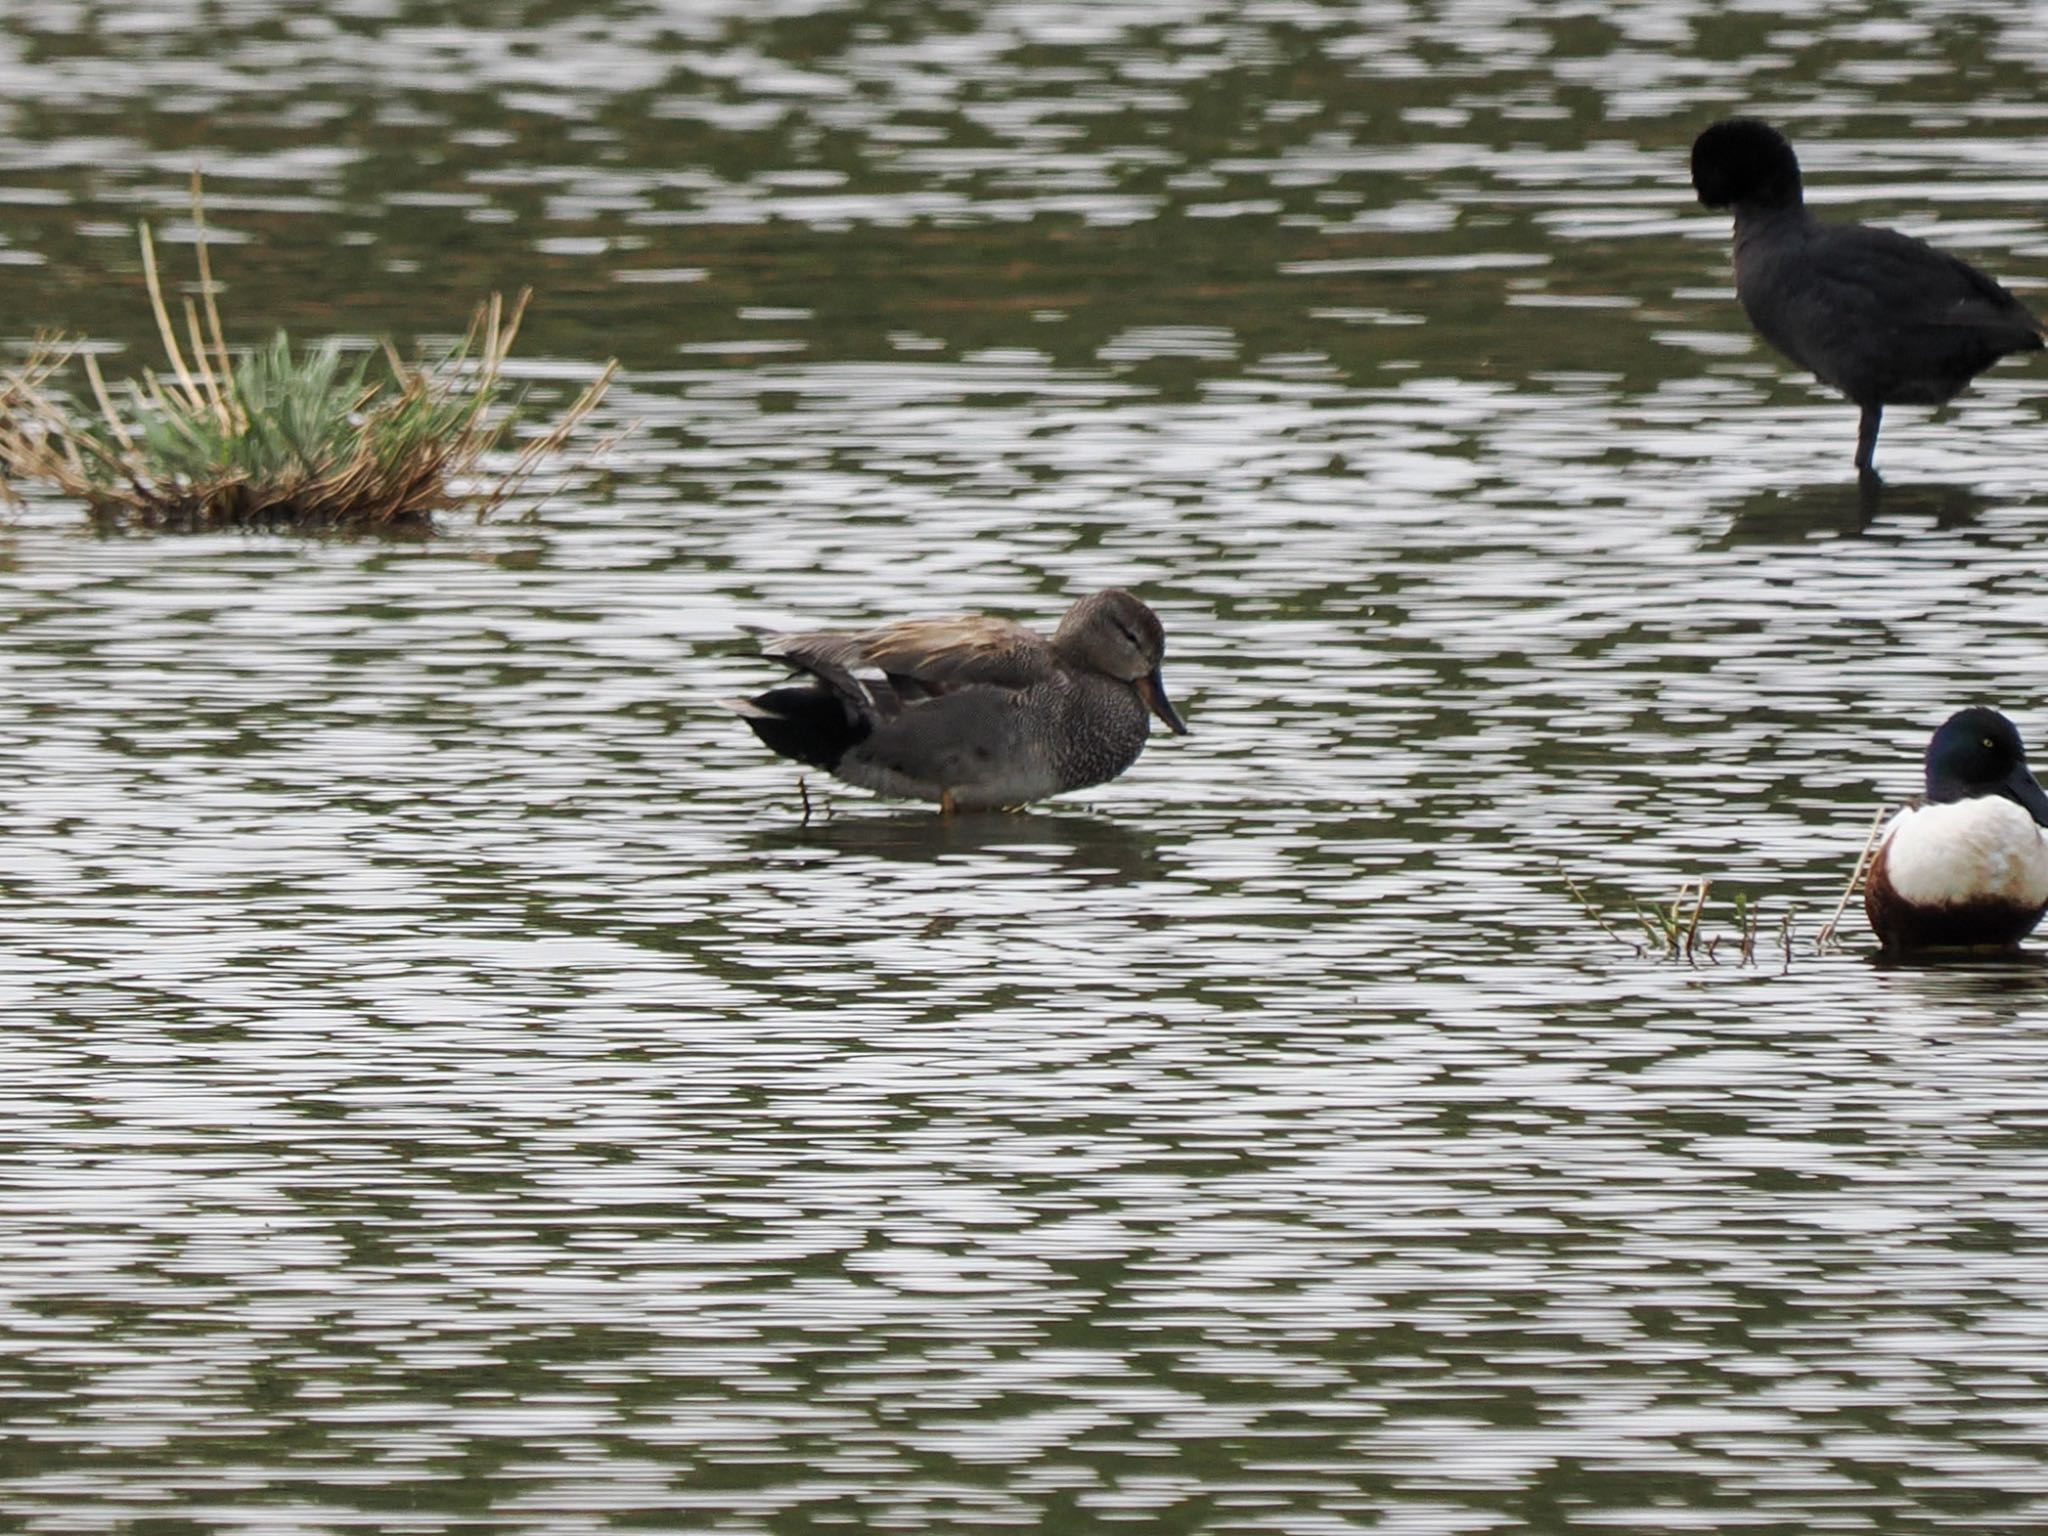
(805, 723)
(819, 720)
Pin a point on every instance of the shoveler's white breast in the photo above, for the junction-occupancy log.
(1987, 849)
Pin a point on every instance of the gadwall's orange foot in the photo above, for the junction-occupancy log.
(1883, 317)
(971, 712)
(1968, 868)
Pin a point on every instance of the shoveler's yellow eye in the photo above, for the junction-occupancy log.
(1986, 741)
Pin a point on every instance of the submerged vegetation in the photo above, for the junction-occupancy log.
(276, 437)
(1696, 927)
(1692, 926)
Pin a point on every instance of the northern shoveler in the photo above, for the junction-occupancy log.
(1883, 317)
(1969, 867)
(973, 712)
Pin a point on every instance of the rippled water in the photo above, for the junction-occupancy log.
(449, 1088)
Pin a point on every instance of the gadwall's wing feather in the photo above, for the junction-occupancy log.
(923, 658)
(830, 660)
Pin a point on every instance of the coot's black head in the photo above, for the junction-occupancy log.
(1977, 752)
(1744, 161)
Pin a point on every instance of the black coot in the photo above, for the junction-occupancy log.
(1884, 318)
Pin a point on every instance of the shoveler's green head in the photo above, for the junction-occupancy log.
(1977, 752)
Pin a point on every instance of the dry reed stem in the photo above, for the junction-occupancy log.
(163, 318)
(206, 374)
(1826, 936)
(107, 411)
(1586, 905)
(1693, 929)
(206, 283)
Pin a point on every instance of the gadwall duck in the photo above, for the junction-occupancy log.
(972, 712)
(1884, 318)
(1969, 867)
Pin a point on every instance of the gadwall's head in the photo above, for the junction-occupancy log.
(1115, 634)
(1743, 161)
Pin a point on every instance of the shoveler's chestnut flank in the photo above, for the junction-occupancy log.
(1969, 868)
(1883, 317)
(973, 712)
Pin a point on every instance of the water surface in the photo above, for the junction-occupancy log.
(450, 1089)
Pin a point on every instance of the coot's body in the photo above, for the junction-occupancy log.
(1883, 317)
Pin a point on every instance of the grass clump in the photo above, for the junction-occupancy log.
(277, 437)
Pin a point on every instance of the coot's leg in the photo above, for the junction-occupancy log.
(1866, 440)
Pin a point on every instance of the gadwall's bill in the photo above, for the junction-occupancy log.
(1969, 867)
(1884, 318)
(972, 712)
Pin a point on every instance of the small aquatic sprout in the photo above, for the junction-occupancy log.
(1672, 930)
(1746, 919)
(1692, 927)
(278, 438)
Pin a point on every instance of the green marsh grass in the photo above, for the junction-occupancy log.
(276, 437)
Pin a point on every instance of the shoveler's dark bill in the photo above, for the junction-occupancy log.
(2022, 786)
